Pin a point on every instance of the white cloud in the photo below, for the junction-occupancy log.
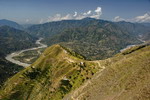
(80, 17)
(143, 18)
(56, 17)
(98, 10)
(67, 17)
(118, 18)
(96, 14)
(87, 13)
(59, 17)
(75, 14)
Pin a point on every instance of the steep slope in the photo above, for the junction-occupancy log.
(140, 30)
(146, 36)
(51, 28)
(133, 28)
(125, 78)
(60, 73)
(7, 69)
(95, 39)
(11, 40)
(57, 72)
(98, 41)
(4, 22)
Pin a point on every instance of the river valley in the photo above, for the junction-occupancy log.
(10, 57)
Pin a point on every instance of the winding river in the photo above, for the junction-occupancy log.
(9, 57)
(127, 47)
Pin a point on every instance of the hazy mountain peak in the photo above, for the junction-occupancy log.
(10, 23)
(89, 18)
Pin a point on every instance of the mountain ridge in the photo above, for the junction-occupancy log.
(57, 73)
(124, 79)
(61, 71)
(10, 23)
(94, 38)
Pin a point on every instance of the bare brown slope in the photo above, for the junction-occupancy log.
(126, 78)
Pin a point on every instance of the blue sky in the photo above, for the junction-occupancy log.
(40, 11)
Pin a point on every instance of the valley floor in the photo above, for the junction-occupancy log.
(10, 57)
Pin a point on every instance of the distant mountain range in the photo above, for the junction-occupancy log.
(70, 68)
(13, 24)
(53, 28)
(95, 39)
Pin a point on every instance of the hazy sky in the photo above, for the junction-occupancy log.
(40, 11)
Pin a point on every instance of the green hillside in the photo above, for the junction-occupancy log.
(57, 72)
(61, 73)
(52, 28)
(11, 40)
(94, 38)
(95, 42)
(7, 70)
